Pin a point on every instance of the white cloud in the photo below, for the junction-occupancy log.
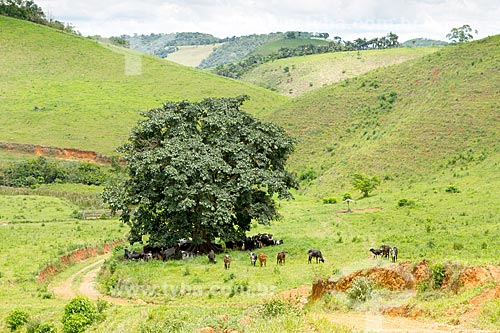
(347, 18)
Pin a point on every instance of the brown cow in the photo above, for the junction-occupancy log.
(280, 259)
(262, 259)
(227, 261)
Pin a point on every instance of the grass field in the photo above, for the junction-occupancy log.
(192, 55)
(298, 75)
(53, 85)
(274, 46)
(427, 127)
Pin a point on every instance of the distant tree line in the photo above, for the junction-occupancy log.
(30, 11)
(237, 69)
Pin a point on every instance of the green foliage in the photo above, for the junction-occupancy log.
(406, 203)
(365, 184)
(329, 200)
(461, 34)
(43, 171)
(30, 11)
(360, 290)
(16, 318)
(201, 170)
(35, 326)
(307, 175)
(346, 196)
(276, 307)
(438, 273)
(78, 314)
(452, 189)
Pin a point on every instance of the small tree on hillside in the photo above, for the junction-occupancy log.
(461, 34)
(365, 184)
(203, 171)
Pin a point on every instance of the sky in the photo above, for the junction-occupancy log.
(349, 19)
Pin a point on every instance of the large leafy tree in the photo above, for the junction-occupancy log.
(203, 171)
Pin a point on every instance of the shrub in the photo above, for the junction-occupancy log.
(438, 274)
(275, 307)
(452, 189)
(76, 323)
(346, 196)
(360, 290)
(329, 200)
(78, 314)
(35, 326)
(406, 203)
(16, 319)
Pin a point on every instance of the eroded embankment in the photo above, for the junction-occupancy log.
(56, 152)
(75, 256)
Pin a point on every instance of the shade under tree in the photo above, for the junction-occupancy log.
(201, 171)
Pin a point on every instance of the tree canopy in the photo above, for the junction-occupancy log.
(461, 34)
(201, 170)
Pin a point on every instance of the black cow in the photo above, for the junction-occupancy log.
(385, 250)
(250, 244)
(315, 254)
(376, 252)
(134, 255)
(253, 258)
(211, 257)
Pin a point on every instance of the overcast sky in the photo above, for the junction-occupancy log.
(348, 19)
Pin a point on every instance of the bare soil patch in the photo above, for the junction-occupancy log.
(364, 210)
(406, 276)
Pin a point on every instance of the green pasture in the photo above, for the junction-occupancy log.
(299, 75)
(290, 43)
(53, 85)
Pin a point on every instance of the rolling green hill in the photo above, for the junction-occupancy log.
(291, 43)
(421, 120)
(62, 90)
(298, 75)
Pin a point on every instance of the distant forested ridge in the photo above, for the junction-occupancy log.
(422, 42)
(30, 11)
(237, 48)
(237, 69)
(162, 44)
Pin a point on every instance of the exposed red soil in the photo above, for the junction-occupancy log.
(406, 276)
(56, 152)
(364, 210)
(75, 256)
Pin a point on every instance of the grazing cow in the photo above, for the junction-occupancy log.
(227, 261)
(375, 252)
(211, 257)
(315, 254)
(385, 250)
(170, 252)
(394, 253)
(278, 242)
(187, 254)
(262, 259)
(280, 259)
(253, 258)
(134, 255)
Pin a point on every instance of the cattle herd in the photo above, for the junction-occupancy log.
(247, 244)
(385, 251)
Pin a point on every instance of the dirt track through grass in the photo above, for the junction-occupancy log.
(82, 283)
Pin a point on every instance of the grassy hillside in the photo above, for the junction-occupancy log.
(298, 75)
(415, 121)
(61, 90)
(192, 55)
(291, 43)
